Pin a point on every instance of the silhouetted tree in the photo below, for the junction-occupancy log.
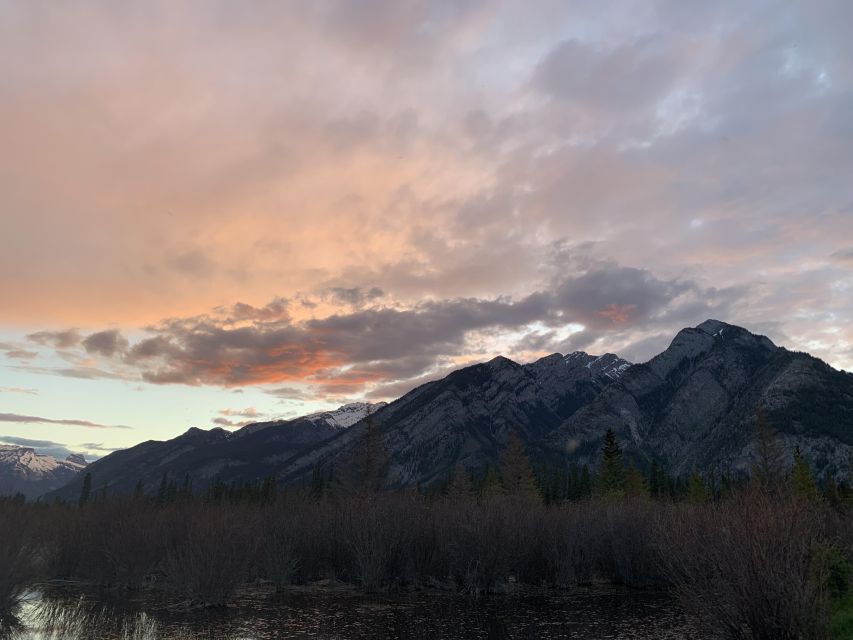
(635, 483)
(801, 476)
(515, 471)
(611, 472)
(768, 466)
(85, 490)
(697, 492)
(459, 487)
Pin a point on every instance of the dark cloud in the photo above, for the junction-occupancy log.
(343, 353)
(105, 343)
(24, 419)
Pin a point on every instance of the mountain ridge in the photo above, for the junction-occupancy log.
(690, 408)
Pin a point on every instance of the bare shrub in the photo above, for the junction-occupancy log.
(751, 567)
(208, 553)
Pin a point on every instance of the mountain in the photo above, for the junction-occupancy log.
(340, 418)
(255, 451)
(692, 407)
(22, 470)
(467, 416)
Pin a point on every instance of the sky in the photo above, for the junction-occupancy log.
(213, 213)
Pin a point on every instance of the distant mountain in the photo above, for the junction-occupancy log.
(692, 407)
(22, 470)
(255, 451)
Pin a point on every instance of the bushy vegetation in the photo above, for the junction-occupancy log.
(768, 560)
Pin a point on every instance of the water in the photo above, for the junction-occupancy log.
(72, 614)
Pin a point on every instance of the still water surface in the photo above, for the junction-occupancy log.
(588, 614)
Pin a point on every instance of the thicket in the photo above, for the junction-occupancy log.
(766, 560)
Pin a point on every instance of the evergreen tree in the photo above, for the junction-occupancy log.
(801, 476)
(139, 492)
(585, 483)
(490, 485)
(163, 490)
(515, 471)
(459, 488)
(768, 466)
(635, 483)
(85, 490)
(611, 471)
(696, 490)
(317, 488)
(830, 490)
(366, 474)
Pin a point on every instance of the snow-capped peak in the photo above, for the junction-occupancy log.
(24, 461)
(346, 415)
(609, 365)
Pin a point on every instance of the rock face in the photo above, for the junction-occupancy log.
(692, 407)
(22, 470)
(467, 416)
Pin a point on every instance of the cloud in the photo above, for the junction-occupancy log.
(21, 354)
(58, 450)
(26, 390)
(844, 256)
(343, 353)
(699, 155)
(57, 339)
(105, 343)
(24, 419)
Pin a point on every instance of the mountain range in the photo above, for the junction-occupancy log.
(691, 408)
(22, 470)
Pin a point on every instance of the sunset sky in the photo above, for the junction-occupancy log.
(215, 212)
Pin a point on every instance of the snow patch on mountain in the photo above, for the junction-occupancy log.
(24, 462)
(346, 415)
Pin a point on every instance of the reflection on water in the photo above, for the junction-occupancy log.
(75, 615)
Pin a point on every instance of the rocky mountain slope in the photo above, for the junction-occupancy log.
(467, 416)
(692, 407)
(255, 451)
(22, 470)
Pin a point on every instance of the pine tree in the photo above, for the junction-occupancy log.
(830, 490)
(801, 476)
(490, 485)
(768, 467)
(635, 483)
(459, 488)
(515, 471)
(585, 484)
(611, 471)
(85, 490)
(318, 482)
(369, 465)
(139, 492)
(697, 493)
(163, 490)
